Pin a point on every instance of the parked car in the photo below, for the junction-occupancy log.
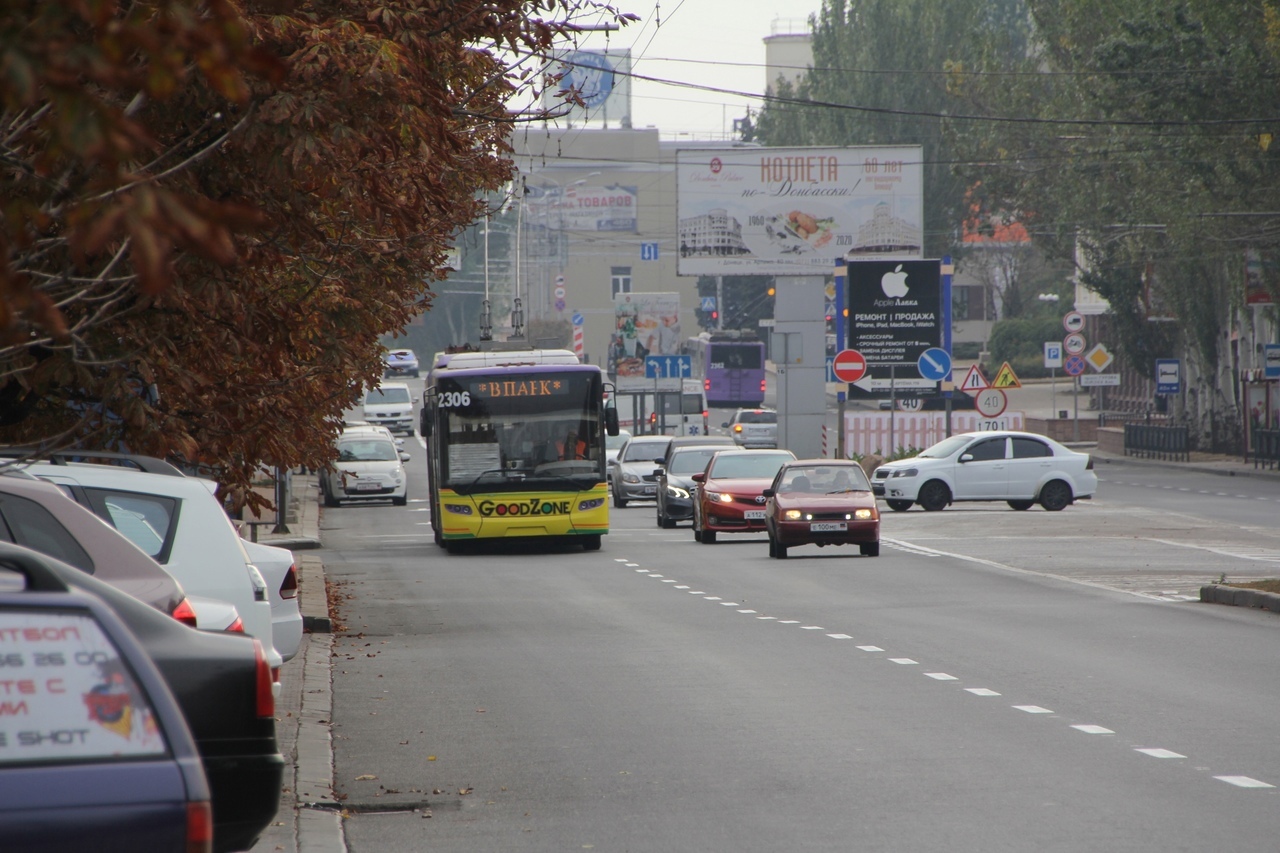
(401, 362)
(675, 482)
(729, 496)
(632, 470)
(99, 755)
(223, 685)
(280, 571)
(1018, 467)
(753, 427)
(821, 502)
(39, 515)
(179, 523)
(369, 467)
(389, 405)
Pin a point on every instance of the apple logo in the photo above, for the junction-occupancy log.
(894, 284)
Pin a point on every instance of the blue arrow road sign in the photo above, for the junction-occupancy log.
(831, 369)
(667, 366)
(576, 319)
(934, 363)
(648, 251)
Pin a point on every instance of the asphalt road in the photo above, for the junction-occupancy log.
(995, 680)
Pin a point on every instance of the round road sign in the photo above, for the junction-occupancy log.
(849, 365)
(1073, 343)
(1074, 366)
(991, 402)
(1073, 321)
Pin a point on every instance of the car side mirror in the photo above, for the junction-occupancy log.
(699, 477)
(660, 461)
(658, 472)
(768, 493)
(404, 457)
(724, 425)
(965, 457)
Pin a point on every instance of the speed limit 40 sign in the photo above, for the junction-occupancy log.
(991, 402)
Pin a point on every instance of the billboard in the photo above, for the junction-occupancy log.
(895, 314)
(575, 208)
(792, 211)
(600, 78)
(644, 324)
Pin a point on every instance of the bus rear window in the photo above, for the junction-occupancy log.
(737, 356)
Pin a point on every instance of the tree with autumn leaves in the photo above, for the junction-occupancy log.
(213, 211)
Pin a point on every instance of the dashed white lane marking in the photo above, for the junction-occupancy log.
(712, 598)
(622, 560)
(1093, 730)
(655, 576)
(1160, 753)
(1032, 709)
(811, 628)
(729, 604)
(904, 661)
(871, 648)
(669, 580)
(788, 621)
(682, 587)
(746, 611)
(696, 592)
(766, 617)
(1243, 782)
(981, 691)
(941, 676)
(840, 636)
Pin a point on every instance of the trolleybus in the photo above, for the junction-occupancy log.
(515, 448)
(730, 366)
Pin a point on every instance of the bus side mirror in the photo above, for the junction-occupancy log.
(424, 423)
(611, 420)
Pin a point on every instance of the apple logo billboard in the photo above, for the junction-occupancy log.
(895, 314)
(894, 284)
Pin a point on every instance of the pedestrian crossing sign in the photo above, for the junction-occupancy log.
(1006, 378)
(974, 381)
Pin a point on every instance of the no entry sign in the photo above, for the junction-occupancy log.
(849, 365)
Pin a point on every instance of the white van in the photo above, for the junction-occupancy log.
(685, 413)
(391, 406)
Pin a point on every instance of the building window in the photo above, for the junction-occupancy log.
(620, 278)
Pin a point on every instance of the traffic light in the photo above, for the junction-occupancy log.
(707, 319)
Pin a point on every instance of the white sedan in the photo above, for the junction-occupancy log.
(1021, 468)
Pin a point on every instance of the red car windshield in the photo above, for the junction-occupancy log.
(747, 466)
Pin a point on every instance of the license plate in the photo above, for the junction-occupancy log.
(368, 487)
(648, 490)
(828, 526)
(753, 514)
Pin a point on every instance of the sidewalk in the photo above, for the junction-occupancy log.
(309, 819)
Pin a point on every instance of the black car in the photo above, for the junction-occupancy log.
(223, 684)
(675, 486)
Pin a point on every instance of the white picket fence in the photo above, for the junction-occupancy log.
(868, 432)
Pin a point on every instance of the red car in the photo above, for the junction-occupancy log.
(821, 502)
(729, 496)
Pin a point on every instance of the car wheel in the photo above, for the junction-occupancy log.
(780, 550)
(697, 534)
(619, 501)
(870, 549)
(401, 500)
(1055, 495)
(773, 547)
(1021, 505)
(591, 543)
(329, 499)
(668, 522)
(934, 495)
(708, 537)
(898, 505)
(661, 521)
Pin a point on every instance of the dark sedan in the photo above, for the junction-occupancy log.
(730, 492)
(675, 482)
(95, 754)
(821, 502)
(223, 684)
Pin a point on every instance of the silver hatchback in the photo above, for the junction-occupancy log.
(754, 428)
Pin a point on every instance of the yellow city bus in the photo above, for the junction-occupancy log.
(515, 448)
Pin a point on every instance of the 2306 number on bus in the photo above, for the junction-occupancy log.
(455, 399)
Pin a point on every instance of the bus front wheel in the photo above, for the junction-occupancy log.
(591, 543)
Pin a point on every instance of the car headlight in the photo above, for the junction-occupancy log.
(793, 515)
(459, 509)
(594, 503)
(677, 492)
(864, 514)
(718, 496)
(905, 472)
(628, 477)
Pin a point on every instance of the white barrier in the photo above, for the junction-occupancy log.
(867, 433)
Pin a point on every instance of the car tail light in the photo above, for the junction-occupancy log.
(236, 627)
(266, 697)
(199, 827)
(289, 586)
(185, 613)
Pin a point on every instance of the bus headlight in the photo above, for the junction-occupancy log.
(594, 503)
(459, 509)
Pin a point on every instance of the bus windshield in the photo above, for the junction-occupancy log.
(518, 431)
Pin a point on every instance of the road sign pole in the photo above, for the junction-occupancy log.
(892, 405)
(1075, 405)
(840, 426)
(1053, 389)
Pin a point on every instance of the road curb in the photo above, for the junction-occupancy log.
(1239, 597)
(313, 598)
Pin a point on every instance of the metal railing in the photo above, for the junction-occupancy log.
(1265, 448)
(1157, 442)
